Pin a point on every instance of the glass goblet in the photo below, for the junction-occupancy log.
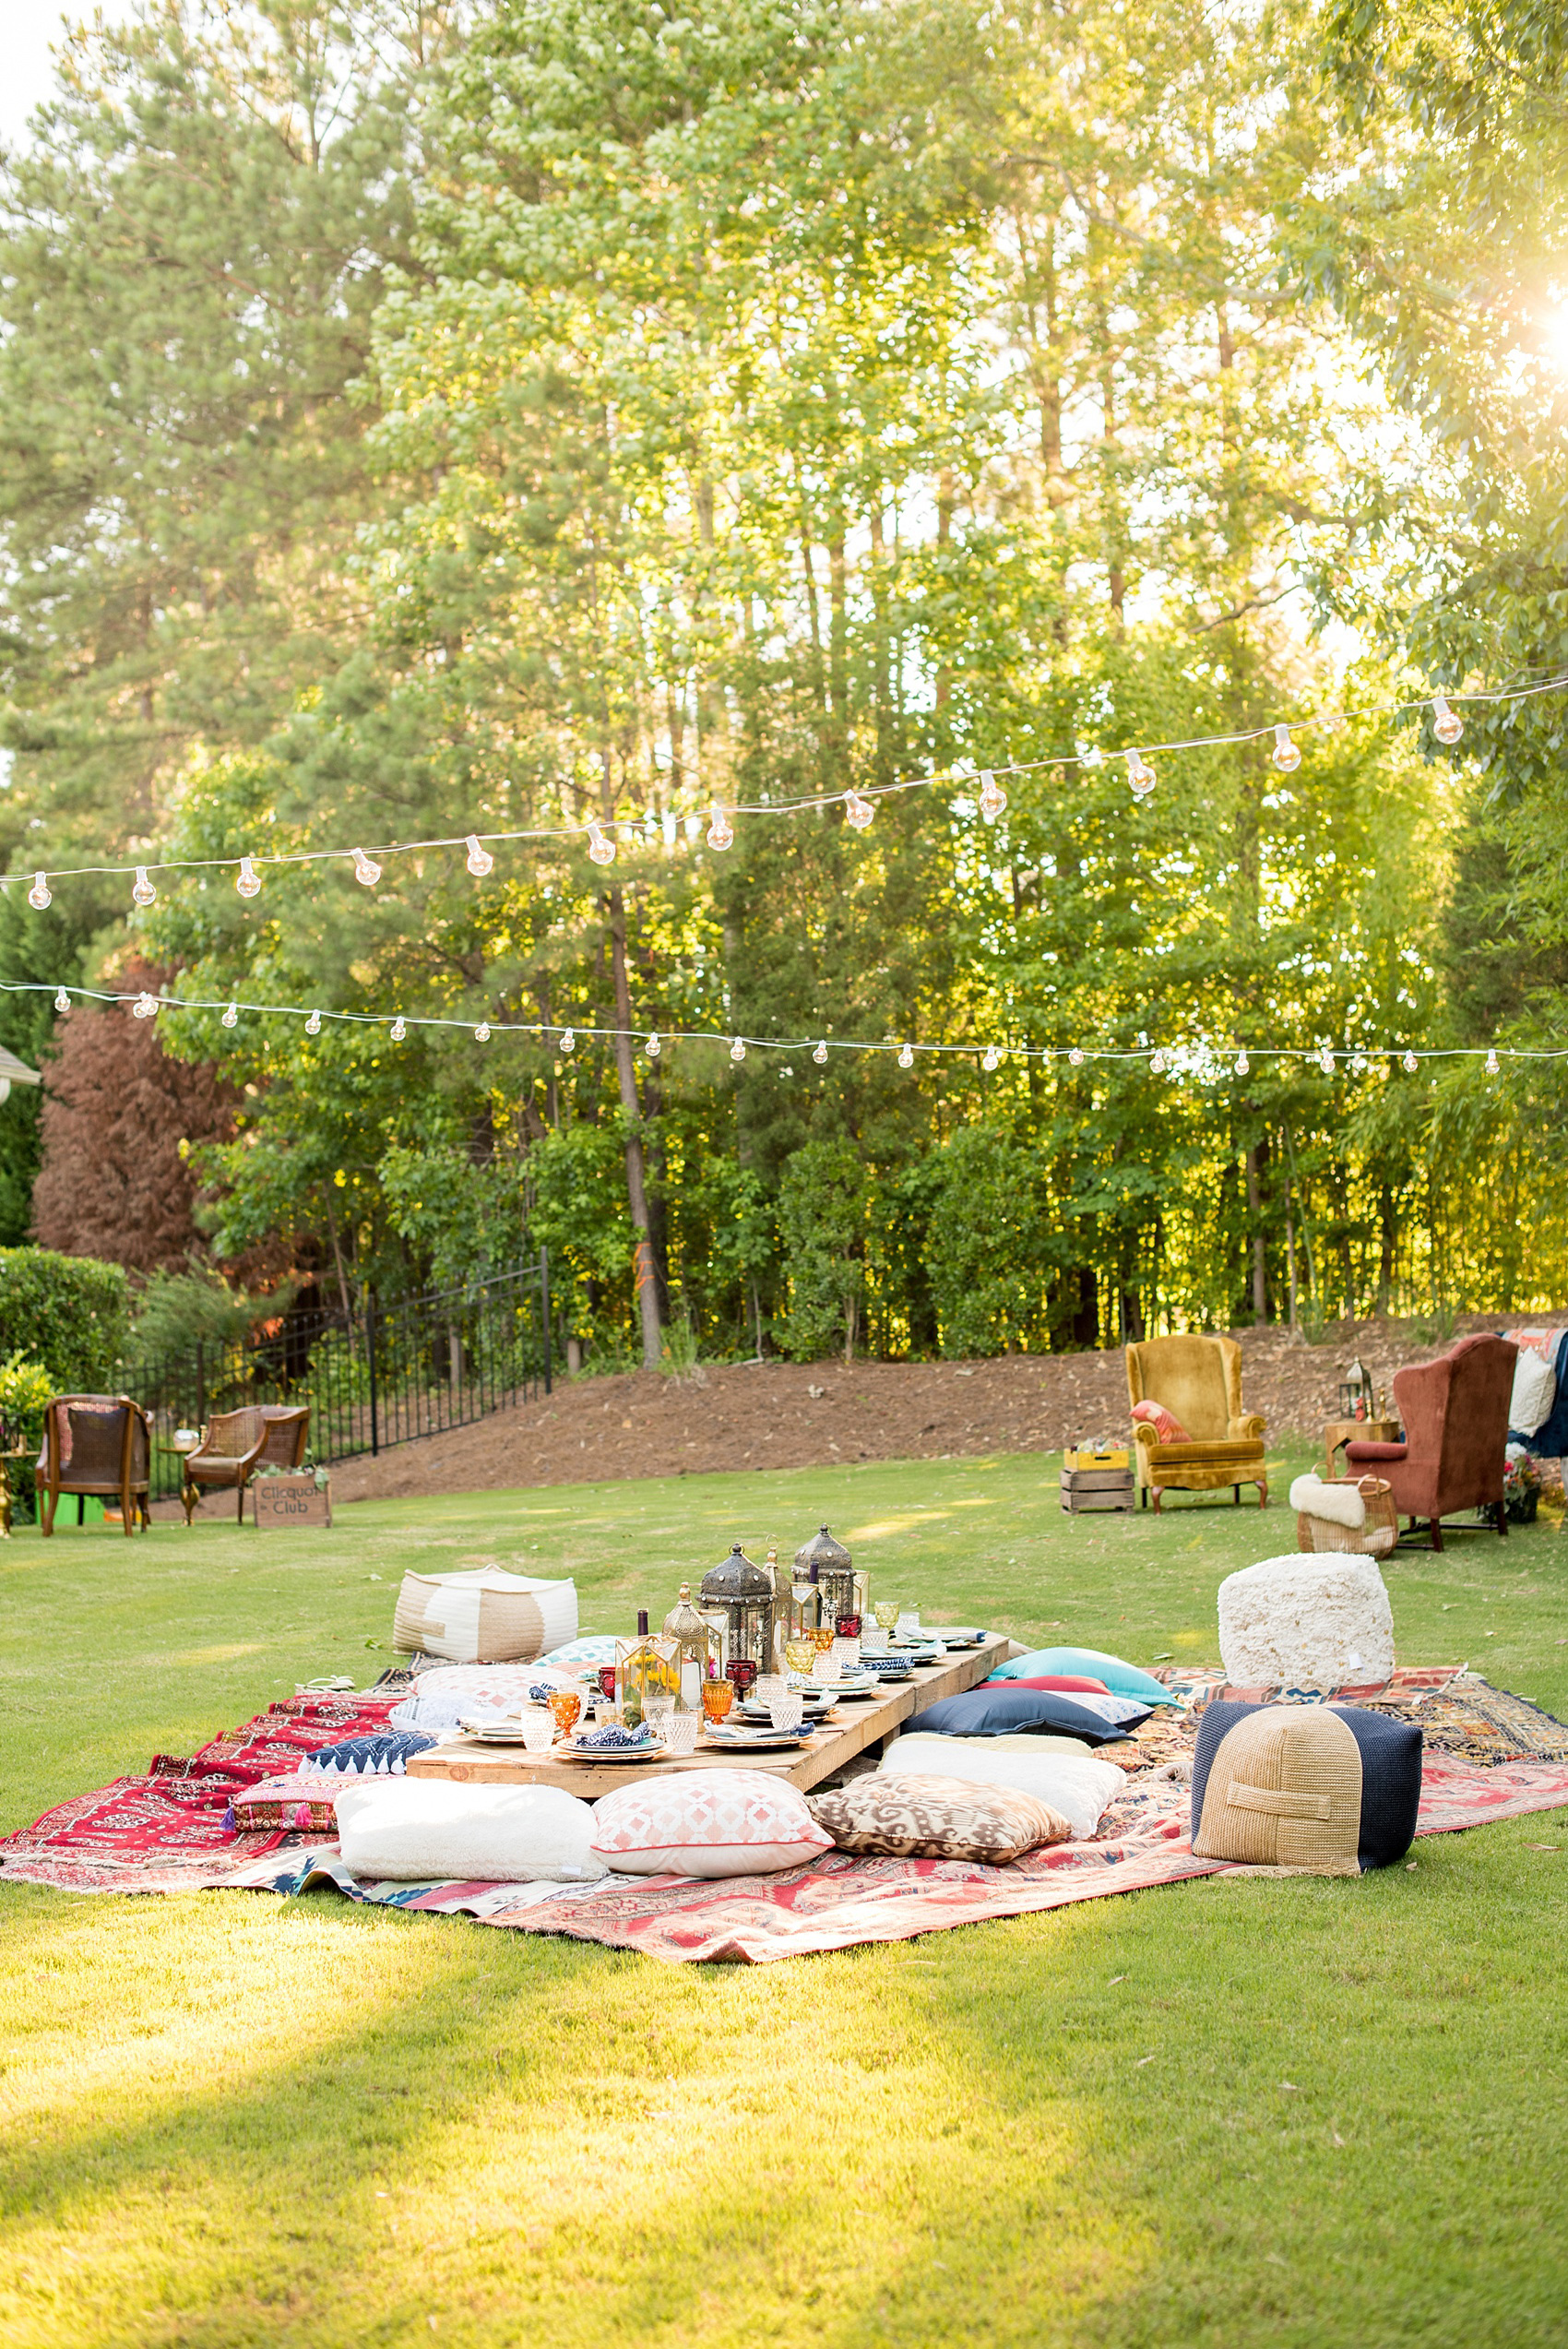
(566, 1706)
(822, 1638)
(888, 1613)
(800, 1654)
(681, 1732)
(787, 1712)
(539, 1730)
(718, 1696)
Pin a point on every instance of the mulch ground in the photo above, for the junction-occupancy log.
(780, 1414)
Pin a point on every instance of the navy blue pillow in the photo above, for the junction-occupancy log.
(996, 1710)
(1391, 1774)
(375, 1755)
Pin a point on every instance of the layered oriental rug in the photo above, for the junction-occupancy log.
(1488, 1756)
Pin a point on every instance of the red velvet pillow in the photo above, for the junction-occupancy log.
(1065, 1683)
(1166, 1425)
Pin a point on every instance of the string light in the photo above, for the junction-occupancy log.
(312, 1025)
(654, 1047)
(992, 798)
(721, 833)
(38, 895)
(145, 1007)
(820, 1055)
(1157, 1063)
(62, 1000)
(478, 859)
(858, 811)
(738, 1049)
(568, 1041)
(249, 880)
(367, 872)
(991, 1061)
(143, 893)
(1491, 1069)
(907, 1057)
(1242, 1063)
(1287, 758)
(601, 848)
(1141, 777)
(1447, 723)
(481, 1034)
(231, 1017)
(1326, 1061)
(1075, 1059)
(1410, 1063)
(399, 1029)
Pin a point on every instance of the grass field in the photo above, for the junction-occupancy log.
(1302, 2112)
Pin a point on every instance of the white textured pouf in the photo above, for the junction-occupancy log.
(1307, 1621)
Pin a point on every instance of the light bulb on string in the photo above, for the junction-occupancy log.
(231, 1017)
(1157, 1063)
(1141, 777)
(145, 1007)
(1409, 1064)
(720, 831)
(992, 1060)
(312, 1025)
(1287, 758)
(38, 895)
(399, 1029)
(481, 1034)
(480, 860)
(62, 1000)
(367, 872)
(601, 848)
(653, 1047)
(858, 811)
(1075, 1058)
(1326, 1061)
(143, 893)
(568, 1041)
(820, 1055)
(738, 1049)
(907, 1057)
(1492, 1068)
(1242, 1063)
(248, 881)
(992, 798)
(1447, 723)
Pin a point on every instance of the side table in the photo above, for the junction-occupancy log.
(1341, 1432)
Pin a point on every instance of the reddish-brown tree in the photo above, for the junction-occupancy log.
(116, 1108)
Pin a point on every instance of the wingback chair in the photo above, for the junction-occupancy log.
(1455, 1414)
(1199, 1382)
(99, 1445)
(234, 1445)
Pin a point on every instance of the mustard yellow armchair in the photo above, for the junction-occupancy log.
(1199, 1382)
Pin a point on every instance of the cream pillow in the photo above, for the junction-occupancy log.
(1535, 1391)
(708, 1823)
(422, 1831)
(1081, 1791)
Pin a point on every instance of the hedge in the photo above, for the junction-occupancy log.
(69, 1312)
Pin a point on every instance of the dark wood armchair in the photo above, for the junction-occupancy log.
(234, 1445)
(99, 1445)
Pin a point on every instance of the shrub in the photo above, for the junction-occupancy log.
(70, 1313)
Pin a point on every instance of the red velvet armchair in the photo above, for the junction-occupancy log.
(1455, 1414)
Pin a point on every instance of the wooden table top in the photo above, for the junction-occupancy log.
(847, 1731)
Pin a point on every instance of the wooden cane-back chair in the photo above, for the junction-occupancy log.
(98, 1444)
(235, 1444)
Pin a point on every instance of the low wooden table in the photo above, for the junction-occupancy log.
(848, 1731)
(1341, 1432)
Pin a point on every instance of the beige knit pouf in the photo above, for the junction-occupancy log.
(1318, 1621)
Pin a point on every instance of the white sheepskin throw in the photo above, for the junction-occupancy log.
(1341, 1504)
(1320, 1621)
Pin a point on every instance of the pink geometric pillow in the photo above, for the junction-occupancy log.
(1166, 1425)
(706, 1823)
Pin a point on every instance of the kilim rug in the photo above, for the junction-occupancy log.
(164, 1833)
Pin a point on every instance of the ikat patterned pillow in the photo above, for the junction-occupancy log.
(937, 1818)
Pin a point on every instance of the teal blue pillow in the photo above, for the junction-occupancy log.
(1121, 1680)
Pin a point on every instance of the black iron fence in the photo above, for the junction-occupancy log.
(381, 1375)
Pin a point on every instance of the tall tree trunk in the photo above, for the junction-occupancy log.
(636, 1181)
(1257, 1158)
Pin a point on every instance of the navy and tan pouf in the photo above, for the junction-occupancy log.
(1311, 1789)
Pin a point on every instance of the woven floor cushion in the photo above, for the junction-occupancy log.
(431, 1830)
(1319, 1790)
(484, 1616)
(1079, 1790)
(1312, 1620)
(297, 1804)
(706, 1823)
(916, 1817)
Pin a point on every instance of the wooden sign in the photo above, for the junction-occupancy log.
(290, 1500)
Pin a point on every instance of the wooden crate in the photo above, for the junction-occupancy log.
(290, 1500)
(1084, 1490)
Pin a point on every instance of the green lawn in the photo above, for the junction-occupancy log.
(1300, 2112)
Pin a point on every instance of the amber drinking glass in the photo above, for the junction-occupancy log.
(718, 1696)
(566, 1705)
(800, 1654)
(822, 1638)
